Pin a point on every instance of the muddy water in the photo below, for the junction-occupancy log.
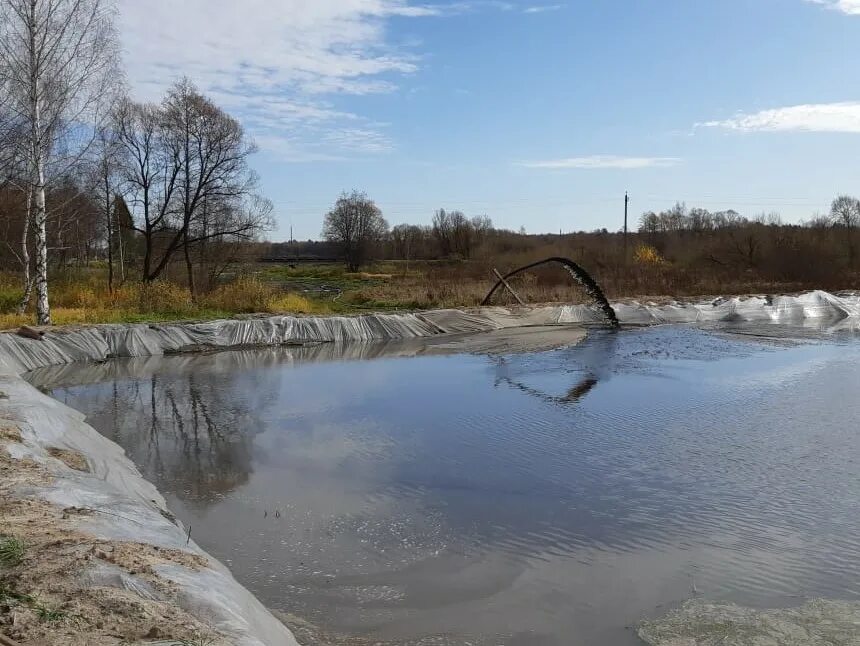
(552, 498)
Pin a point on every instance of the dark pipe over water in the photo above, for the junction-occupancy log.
(579, 274)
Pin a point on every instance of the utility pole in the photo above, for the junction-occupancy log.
(626, 202)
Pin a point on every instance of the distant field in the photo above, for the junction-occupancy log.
(393, 285)
(80, 296)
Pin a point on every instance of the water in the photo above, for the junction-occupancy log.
(547, 499)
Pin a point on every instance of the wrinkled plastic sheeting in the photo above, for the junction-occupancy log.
(100, 342)
(814, 307)
(699, 623)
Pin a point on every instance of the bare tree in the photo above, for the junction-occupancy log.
(57, 64)
(845, 212)
(13, 175)
(224, 230)
(150, 172)
(442, 232)
(187, 174)
(482, 227)
(461, 234)
(213, 153)
(355, 224)
(407, 240)
(457, 234)
(105, 185)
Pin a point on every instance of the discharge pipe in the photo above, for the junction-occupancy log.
(579, 275)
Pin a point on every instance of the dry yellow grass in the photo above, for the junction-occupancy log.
(84, 300)
(295, 304)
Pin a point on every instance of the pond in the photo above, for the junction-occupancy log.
(551, 498)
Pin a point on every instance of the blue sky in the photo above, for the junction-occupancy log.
(538, 114)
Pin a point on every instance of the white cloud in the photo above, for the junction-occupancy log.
(471, 6)
(276, 64)
(820, 117)
(603, 161)
(849, 7)
(271, 62)
(359, 139)
(543, 8)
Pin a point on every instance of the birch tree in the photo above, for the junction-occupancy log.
(58, 65)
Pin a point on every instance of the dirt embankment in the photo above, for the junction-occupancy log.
(61, 585)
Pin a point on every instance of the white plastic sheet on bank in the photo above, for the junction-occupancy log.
(100, 342)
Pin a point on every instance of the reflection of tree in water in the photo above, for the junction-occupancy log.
(191, 432)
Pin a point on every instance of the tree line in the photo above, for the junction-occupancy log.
(844, 212)
(85, 171)
(357, 230)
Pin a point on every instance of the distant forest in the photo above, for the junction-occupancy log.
(679, 250)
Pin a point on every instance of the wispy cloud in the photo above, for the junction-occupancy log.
(543, 8)
(603, 161)
(279, 66)
(273, 63)
(474, 6)
(849, 7)
(471, 6)
(815, 117)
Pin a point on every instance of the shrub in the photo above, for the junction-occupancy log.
(161, 297)
(10, 297)
(645, 254)
(247, 294)
(295, 304)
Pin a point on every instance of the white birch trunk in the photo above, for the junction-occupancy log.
(26, 279)
(43, 308)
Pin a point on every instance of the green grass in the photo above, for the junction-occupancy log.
(12, 551)
(10, 298)
(49, 615)
(9, 594)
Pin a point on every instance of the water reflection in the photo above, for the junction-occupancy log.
(548, 498)
(572, 396)
(184, 428)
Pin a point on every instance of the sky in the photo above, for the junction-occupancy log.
(537, 113)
